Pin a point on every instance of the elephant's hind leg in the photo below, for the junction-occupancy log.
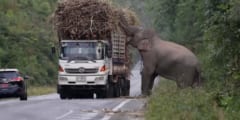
(185, 79)
(197, 82)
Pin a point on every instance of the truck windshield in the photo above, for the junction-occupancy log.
(82, 50)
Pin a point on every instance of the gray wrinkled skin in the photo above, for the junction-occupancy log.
(163, 58)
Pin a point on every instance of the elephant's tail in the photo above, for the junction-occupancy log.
(198, 80)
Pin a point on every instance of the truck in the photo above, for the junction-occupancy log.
(88, 66)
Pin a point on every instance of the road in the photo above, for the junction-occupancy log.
(50, 107)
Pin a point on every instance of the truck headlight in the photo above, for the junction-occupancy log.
(99, 78)
(103, 68)
(63, 78)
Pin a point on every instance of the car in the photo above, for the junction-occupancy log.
(13, 84)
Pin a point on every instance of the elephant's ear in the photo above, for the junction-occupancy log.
(144, 45)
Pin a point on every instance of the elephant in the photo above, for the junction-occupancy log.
(164, 58)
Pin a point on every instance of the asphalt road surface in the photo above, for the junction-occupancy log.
(50, 107)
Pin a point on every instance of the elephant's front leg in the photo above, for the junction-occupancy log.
(146, 82)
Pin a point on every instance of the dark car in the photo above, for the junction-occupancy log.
(12, 84)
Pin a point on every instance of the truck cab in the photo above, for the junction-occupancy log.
(84, 67)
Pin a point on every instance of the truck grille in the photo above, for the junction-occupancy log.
(82, 70)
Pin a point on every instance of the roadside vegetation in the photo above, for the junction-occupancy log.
(26, 37)
(41, 90)
(211, 29)
(170, 103)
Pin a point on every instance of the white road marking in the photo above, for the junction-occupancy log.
(121, 105)
(80, 116)
(108, 117)
(64, 115)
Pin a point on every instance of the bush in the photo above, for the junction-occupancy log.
(170, 103)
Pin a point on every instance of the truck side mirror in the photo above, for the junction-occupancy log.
(26, 77)
(108, 51)
(109, 54)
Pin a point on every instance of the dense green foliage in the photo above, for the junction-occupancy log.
(212, 30)
(170, 103)
(25, 37)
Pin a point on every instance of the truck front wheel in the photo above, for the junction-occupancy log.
(106, 92)
(86, 94)
(62, 96)
(102, 94)
(62, 92)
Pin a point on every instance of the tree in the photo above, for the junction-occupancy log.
(26, 39)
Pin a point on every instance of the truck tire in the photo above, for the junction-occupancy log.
(62, 95)
(113, 90)
(107, 92)
(102, 94)
(88, 95)
(110, 91)
(62, 92)
(79, 94)
(125, 87)
(109, 87)
(116, 89)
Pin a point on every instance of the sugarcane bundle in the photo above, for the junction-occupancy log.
(88, 19)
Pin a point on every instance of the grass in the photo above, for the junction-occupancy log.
(170, 103)
(40, 90)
